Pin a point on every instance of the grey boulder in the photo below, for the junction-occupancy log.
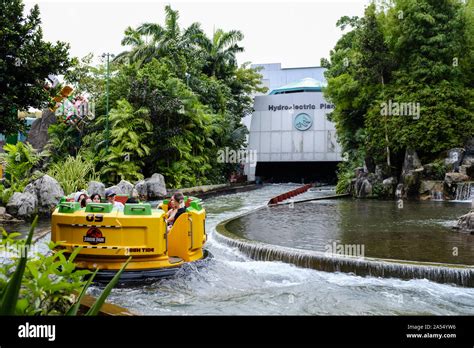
(96, 187)
(22, 205)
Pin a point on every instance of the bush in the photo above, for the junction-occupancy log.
(73, 174)
(19, 159)
(43, 284)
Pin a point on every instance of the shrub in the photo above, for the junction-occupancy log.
(73, 174)
(43, 284)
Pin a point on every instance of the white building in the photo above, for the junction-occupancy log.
(289, 130)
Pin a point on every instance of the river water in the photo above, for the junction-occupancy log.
(420, 231)
(232, 284)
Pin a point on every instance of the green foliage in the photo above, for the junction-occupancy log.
(73, 174)
(25, 62)
(437, 169)
(379, 191)
(94, 310)
(176, 98)
(418, 53)
(44, 284)
(64, 141)
(344, 178)
(11, 290)
(20, 161)
(130, 130)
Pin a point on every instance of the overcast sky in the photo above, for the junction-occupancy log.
(295, 34)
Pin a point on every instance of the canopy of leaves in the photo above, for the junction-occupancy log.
(25, 62)
(417, 53)
(176, 97)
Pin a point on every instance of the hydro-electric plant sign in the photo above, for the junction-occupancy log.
(322, 106)
(303, 122)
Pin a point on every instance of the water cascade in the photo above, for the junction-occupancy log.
(465, 191)
(363, 266)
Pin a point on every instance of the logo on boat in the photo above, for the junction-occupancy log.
(94, 236)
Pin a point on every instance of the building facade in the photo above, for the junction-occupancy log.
(289, 131)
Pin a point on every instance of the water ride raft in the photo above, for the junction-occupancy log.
(108, 237)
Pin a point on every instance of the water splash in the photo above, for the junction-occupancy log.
(436, 195)
(441, 273)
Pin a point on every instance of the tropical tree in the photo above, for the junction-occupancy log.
(418, 54)
(194, 94)
(151, 40)
(220, 52)
(25, 63)
(129, 131)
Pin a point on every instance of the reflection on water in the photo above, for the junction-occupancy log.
(24, 227)
(421, 231)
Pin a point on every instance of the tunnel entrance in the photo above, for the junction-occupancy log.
(300, 172)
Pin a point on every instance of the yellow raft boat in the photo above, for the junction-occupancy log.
(109, 237)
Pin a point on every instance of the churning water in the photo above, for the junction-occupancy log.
(232, 284)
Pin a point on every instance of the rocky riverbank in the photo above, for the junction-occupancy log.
(450, 177)
(42, 195)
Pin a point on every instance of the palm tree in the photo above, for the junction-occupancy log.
(220, 52)
(151, 40)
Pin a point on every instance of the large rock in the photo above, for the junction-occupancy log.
(152, 188)
(22, 205)
(454, 158)
(467, 170)
(431, 189)
(451, 178)
(156, 187)
(114, 189)
(47, 191)
(389, 186)
(365, 189)
(38, 133)
(468, 160)
(141, 189)
(411, 181)
(125, 187)
(466, 223)
(96, 187)
(411, 161)
(382, 172)
(412, 172)
(467, 165)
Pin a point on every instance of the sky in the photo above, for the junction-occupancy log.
(296, 34)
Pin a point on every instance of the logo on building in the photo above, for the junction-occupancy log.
(303, 122)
